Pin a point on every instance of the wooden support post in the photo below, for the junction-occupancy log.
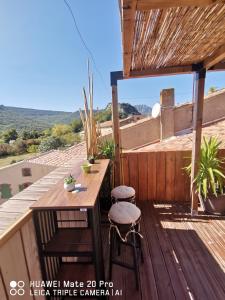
(116, 127)
(197, 132)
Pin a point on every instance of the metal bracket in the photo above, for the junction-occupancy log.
(115, 76)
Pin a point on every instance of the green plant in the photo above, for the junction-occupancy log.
(9, 135)
(107, 149)
(32, 149)
(209, 179)
(70, 179)
(49, 144)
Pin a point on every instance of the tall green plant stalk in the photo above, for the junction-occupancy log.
(210, 177)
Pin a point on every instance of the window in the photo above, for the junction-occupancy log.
(5, 190)
(26, 172)
(24, 185)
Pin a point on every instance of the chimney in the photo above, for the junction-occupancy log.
(167, 113)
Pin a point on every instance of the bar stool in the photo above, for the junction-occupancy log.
(123, 193)
(124, 218)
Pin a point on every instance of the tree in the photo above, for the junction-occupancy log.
(76, 125)
(59, 130)
(33, 134)
(50, 144)
(212, 89)
(10, 135)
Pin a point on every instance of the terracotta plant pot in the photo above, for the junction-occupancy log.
(214, 205)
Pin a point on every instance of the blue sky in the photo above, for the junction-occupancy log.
(43, 62)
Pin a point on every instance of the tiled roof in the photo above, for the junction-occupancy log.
(184, 142)
(58, 158)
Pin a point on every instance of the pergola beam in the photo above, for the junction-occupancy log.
(128, 17)
(174, 70)
(161, 4)
(215, 58)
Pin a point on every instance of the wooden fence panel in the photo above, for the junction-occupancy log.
(143, 175)
(151, 183)
(158, 176)
(133, 171)
(170, 176)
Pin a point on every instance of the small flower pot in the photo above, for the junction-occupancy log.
(214, 205)
(91, 161)
(69, 187)
(86, 168)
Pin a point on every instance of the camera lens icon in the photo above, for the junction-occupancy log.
(17, 288)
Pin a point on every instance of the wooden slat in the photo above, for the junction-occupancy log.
(128, 11)
(170, 176)
(13, 264)
(215, 58)
(133, 165)
(160, 176)
(125, 170)
(143, 175)
(151, 183)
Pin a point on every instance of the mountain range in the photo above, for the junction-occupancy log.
(29, 119)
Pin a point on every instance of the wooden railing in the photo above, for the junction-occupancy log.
(19, 259)
(158, 176)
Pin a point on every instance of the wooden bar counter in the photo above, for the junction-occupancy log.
(68, 228)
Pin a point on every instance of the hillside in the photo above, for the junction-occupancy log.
(29, 119)
(143, 109)
(26, 118)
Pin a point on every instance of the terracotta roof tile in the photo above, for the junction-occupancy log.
(60, 157)
(184, 142)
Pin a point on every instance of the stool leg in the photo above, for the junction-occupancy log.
(118, 245)
(140, 248)
(136, 267)
(111, 252)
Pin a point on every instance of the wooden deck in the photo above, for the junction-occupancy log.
(184, 257)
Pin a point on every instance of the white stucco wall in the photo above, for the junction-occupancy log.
(13, 176)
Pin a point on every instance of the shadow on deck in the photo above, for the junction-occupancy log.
(184, 257)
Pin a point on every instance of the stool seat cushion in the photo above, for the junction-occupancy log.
(123, 192)
(124, 213)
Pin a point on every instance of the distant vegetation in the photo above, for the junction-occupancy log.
(32, 119)
(24, 131)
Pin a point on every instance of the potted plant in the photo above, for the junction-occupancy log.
(91, 160)
(210, 178)
(69, 183)
(86, 167)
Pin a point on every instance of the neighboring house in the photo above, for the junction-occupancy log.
(184, 141)
(172, 121)
(16, 177)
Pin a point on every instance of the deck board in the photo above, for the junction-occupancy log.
(184, 257)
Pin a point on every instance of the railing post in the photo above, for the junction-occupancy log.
(115, 76)
(197, 133)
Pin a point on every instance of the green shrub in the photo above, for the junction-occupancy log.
(32, 148)
(76, 125)
(27, 135)
(107, 149)
(50, 144)
(5, 149)
(19, 147)
(9, 135)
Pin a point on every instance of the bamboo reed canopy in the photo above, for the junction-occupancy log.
(169, 36)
